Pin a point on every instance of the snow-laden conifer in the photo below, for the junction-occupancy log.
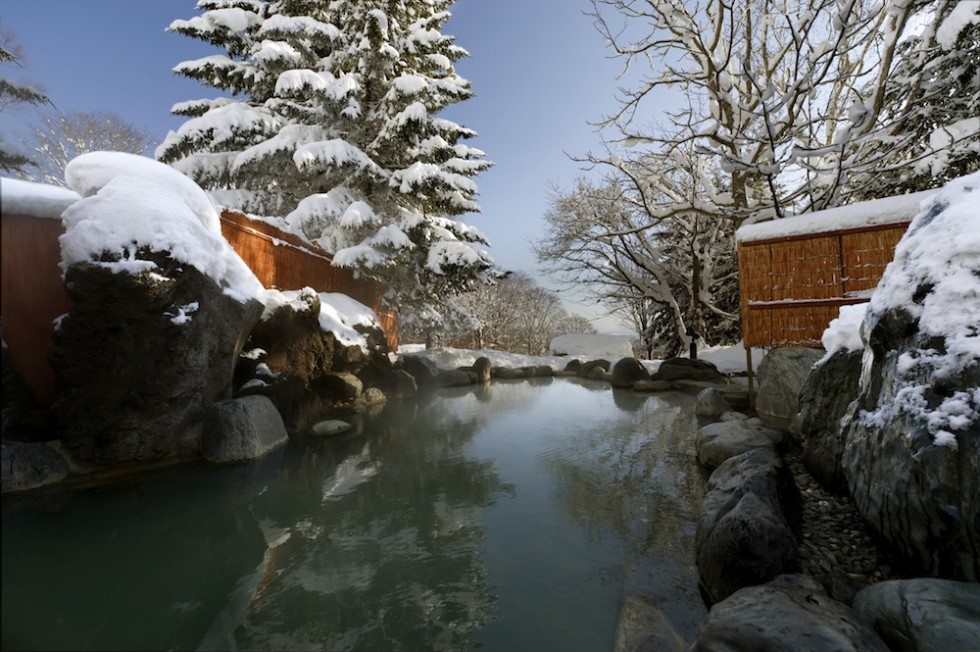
(332, 123)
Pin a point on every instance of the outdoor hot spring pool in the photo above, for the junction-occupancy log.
(513, 517)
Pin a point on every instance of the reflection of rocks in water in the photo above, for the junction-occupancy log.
(128, 551)
(627, 400)
(373, 551)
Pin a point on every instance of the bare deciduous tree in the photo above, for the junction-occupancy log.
(61, 136)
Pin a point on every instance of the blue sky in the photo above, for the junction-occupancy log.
(540, 71)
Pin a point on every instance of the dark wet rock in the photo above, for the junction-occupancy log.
(711, 403)
(643, 627)
(628, 371)
(242, 429)
(295, 345)
(456, 378)
(923, 615)
(745, 534)
(716, 442)
(483, 368)
(30, 466)
(134, 377)
(826, 393)
(653, 386)
(587, 367)
(781, 376)
(735, 395)
(506, 373)
(539, 371)
(330, 427)
(789, 614)
(343, 387)
(921, 498)
(401, 385)
(674, 369)
(573, 367)
(598, 373)
(373, 396)
(421, 368)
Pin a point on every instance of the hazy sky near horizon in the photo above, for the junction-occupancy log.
(540, 71)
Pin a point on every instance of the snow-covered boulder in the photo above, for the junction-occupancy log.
(161, 307)
(912, 451)
(313, 353)
(140, 357)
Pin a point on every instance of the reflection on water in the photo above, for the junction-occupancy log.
(510, 517)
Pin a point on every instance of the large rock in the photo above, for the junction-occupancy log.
(673, 369)
(421, 368)
(744, 536)
(628, 371)
(912, 438)
(587, 368)
(790, 614)
(711, 403)
(824, 398)
(242, 429)
(716, 442)
(307, 371)
(781, 376)
(30, 466)
(139, 359)
(643, 627)
(922, 615)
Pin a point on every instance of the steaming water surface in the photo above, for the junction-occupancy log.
(513, 517)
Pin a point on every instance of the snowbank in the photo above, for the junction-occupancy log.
(131, 202)
(890, 210)
(591, 345)
(35, 199)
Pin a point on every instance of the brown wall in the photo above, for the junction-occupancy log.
(33, 297)
(792, 287)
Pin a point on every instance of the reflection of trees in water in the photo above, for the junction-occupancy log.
(635, 476)
(359, 551)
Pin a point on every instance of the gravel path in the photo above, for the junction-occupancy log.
(837, 548)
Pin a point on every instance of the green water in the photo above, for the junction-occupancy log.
(513, 517)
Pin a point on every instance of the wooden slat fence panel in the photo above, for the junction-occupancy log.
(792, 287)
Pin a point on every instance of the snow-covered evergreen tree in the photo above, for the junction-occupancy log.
(929, 129)
(332, 124)
(14, 93)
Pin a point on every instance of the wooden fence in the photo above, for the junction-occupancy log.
(793, 286)
(284, 261)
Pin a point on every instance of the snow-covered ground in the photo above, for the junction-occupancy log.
(728, 359)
